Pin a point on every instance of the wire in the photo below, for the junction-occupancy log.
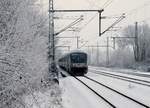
(136, 9)
(127, 13)
(107, 3)
(70, 25)
(89, 21)
(92, 4)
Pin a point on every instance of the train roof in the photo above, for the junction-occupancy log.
(74, 51)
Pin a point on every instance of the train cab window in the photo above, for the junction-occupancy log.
(78, 58)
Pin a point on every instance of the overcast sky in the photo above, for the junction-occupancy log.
(136, 10)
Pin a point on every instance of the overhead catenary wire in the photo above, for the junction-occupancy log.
(133, 11)
(107, 3)
(138, 8)
(70, 25)
(92, 4)
(89, 21)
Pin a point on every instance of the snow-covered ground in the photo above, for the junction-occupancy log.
(76, 95)
(113, 97)
(136, 91)
(49, 97)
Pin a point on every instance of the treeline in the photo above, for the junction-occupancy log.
(129, 51)
(23, 50)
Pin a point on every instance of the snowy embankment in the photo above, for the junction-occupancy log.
(46, 97)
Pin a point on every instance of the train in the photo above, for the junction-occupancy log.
(75, 63)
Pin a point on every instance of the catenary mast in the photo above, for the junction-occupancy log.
(52, 65)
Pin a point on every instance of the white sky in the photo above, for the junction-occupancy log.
(90, 32)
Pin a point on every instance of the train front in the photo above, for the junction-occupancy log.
(78, 63)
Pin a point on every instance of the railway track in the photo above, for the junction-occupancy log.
(129, 73)
(107, 99)
(113, 106)
(125, 78)
(130, 98)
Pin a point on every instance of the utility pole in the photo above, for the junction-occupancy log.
(100, 22)
(102, 46)
(92, 55)
(89, 55)
(136, 42)
(107, 51)
(97, 54)
(77, 42)
(114, 42)
(52, 66)
(77, 37)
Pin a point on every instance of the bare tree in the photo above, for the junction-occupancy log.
(143, 40)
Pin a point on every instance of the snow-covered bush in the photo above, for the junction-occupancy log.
(23, 51)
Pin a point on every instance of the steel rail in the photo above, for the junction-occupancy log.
(113, 106)
(134, 73)
(118, 92)
(129, 79)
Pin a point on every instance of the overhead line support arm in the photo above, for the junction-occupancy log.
(116, 22)
(99, 11)
(77, 10)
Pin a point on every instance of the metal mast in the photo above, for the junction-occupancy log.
(52, 66)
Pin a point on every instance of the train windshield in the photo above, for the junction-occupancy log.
(78, 58)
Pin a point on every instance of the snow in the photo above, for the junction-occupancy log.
(138, 92)
(111, 96)
(76, 95)
(125, 70)
(122, 74)
(45, 98)
(23, 53)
